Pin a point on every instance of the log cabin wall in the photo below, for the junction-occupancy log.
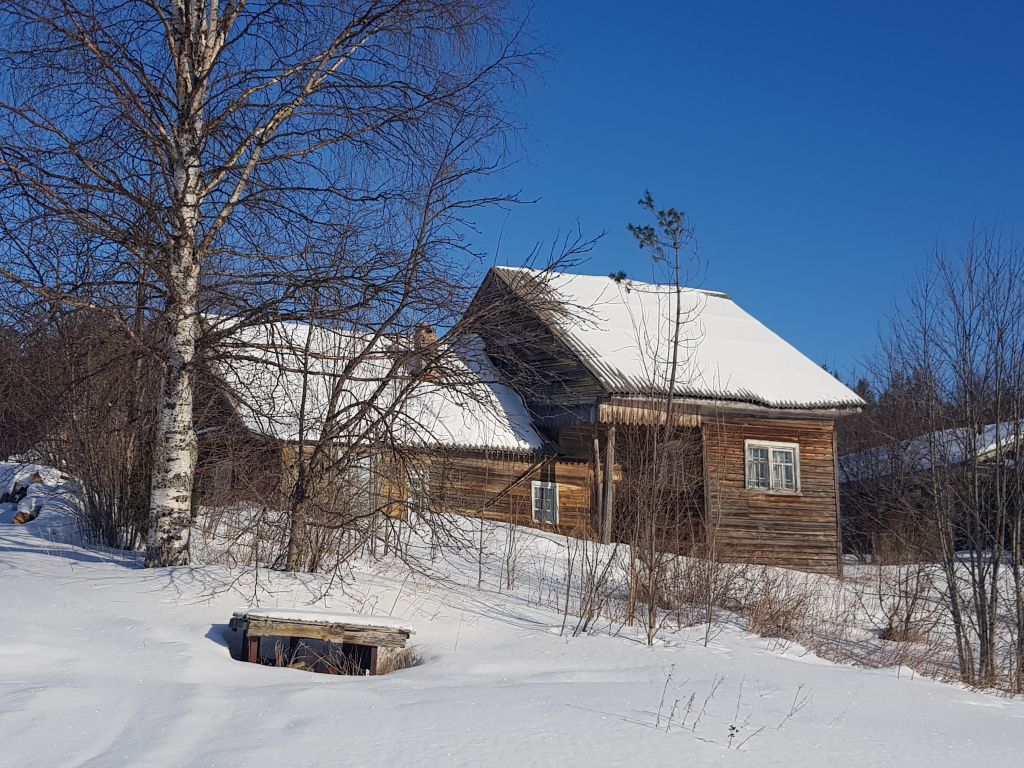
(499, 487)
(578, 442)
(535, 362)
(661, 490)
(235, 465)
(669, 487)
(789, 529)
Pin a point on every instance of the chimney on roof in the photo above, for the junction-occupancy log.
(424, 336)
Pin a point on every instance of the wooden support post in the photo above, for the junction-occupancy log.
(372, 660)
(251, 646)
(597, 492)
(839, 513)
(609, 487)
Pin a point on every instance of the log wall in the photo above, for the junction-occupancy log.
(531, 358)
(793, 530)
(234, 466)
(498, 487)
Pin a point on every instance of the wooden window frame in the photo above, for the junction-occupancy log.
(546, 485)
(770, 444)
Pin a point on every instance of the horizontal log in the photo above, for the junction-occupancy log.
(384, 637)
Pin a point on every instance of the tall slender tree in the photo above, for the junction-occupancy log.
(234, 157)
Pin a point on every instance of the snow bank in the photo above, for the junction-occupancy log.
(51, 500)
(15, 473)
(105, 665)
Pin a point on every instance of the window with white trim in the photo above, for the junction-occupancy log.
(773, 466)
(545, 502)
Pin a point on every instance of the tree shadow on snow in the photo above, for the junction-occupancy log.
(121, 558)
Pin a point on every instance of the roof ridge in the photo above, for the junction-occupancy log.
(623, 338)
(627, 279)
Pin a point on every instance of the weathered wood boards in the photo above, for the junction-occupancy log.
(499, 487)
(788, 529)
(365, 634)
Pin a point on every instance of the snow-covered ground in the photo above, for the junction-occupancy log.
(103, 663)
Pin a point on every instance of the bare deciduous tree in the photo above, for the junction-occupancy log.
(943, 482)
(233, 156)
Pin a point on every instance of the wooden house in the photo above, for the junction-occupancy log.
(571, 386)
(891, 493)
(453, 439)
(752, 419)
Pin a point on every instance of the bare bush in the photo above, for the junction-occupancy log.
(776, 607)
(85, 399)
(394, 659)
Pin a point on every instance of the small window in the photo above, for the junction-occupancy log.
(773, 466)
(545, 502)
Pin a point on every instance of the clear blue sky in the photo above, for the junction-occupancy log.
(821, 149)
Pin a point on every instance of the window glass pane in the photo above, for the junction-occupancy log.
(789, 478)
(784, 469)
(545, 504)
(757, 468)
(782, 455)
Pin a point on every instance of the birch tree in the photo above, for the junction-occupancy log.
(230, 156)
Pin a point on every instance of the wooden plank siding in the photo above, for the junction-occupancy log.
(578, 442)
(531, 358)
(792, 530)
(498, 487)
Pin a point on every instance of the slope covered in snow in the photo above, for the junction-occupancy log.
(106, 664)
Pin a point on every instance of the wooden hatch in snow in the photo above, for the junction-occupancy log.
(341, 642)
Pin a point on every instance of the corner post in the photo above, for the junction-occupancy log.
(251, 646)
(597, 489)
(609, 487)
(839, 514)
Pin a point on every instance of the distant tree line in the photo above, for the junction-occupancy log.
(932, 473)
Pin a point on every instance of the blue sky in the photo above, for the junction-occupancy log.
(821, 149)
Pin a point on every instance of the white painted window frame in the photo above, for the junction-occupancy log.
(770, 444)
(546, 485)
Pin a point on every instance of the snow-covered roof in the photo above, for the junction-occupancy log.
(357, 385)
(943, 448)
(623, 333)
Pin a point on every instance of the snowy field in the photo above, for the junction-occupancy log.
(103, 663)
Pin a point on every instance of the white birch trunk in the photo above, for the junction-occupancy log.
(175, 450)
(170, 505)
